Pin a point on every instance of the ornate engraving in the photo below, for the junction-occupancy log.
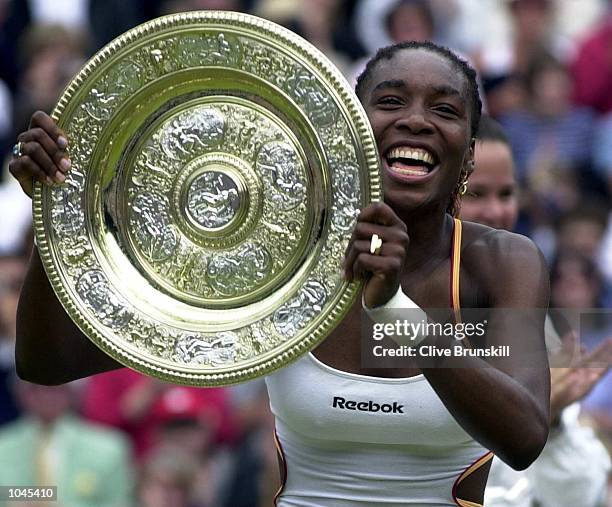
(293, 316)
(280, 167)
(109, 309)
(239, 271)
(151, 226)
(192, 131)
(212, 199)
(67, 208)
(305, 89)
(212, 350)
(345, 207)
(209, 49)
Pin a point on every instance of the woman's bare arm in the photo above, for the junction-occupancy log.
(50, 349)
(504, 402)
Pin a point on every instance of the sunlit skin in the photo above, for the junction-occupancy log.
(491, 197)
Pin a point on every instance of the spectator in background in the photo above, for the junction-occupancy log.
(172, 6)
(139, 405)
(47, 446)
(52, 55)
(316, 21)
(492, 193)
(572, 457)
(380, 23)
(551, 143)
(505, 61)
(549, 132)
(575, 281)
(254, 479)
(576, 284)
(167, 479)
(12, 273)
(592, 67)
(187, 426)
(532, 33)
(582, 228)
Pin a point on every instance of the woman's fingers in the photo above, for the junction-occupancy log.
(359, 261)
(42, 151)
(379, 264)
(25, 172)
(42, 154)
(45, 122)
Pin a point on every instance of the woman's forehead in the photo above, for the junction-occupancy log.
(419, 67)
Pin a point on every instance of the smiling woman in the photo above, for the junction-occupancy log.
(423, 105)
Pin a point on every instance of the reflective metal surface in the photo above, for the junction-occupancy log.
(219, 163)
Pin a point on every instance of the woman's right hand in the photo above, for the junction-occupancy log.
(43, 154)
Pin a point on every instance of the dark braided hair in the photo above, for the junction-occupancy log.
(461, 65)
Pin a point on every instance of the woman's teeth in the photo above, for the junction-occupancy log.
(410, 161)
(416, 154)
(398, 167)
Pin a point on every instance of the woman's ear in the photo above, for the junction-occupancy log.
(470, 160)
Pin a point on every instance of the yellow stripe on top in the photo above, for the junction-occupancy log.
(483, 460)
(455, 268)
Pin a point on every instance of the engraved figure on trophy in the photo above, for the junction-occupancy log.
(307, 92)
(184, 137)
(239, 271)
(212, 199)
(218, 349)
(279, 165)
(346, 197)
(298, 312)
(93, 287)
(151, 226)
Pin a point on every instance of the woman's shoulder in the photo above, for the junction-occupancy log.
(482, 240)
(499, 259)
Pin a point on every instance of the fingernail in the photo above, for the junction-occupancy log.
(62, 142)
(59, 177)
(48, 181)
(65, 165)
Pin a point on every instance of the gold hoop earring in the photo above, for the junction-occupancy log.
(463, 185)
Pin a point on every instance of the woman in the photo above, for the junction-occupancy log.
(423, 104)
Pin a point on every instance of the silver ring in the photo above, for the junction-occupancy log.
(17, 150)
(375, 244)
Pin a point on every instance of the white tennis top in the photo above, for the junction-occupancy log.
(352, 440)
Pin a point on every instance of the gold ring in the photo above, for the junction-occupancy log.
(17, 150)
(375, 244)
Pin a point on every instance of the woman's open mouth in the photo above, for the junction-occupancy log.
(407, 163)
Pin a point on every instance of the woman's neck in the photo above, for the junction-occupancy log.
(430, 237)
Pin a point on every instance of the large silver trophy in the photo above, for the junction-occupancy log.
(219, 163)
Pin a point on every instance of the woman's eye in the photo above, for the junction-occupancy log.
(446, 110)
(389, 101)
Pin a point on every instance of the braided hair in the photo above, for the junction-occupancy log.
(460, 64)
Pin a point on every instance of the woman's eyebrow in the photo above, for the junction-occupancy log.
(390, 83)
(447, 90)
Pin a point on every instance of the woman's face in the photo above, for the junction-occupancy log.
(420, 114)
(491, 197)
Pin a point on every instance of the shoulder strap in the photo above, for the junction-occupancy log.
(455, 268)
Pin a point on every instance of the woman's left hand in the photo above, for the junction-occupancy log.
(382, 270)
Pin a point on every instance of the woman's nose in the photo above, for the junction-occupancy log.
(414, 121)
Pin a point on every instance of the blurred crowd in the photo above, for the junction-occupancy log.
(122, 439)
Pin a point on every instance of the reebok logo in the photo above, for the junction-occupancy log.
(367, 406)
